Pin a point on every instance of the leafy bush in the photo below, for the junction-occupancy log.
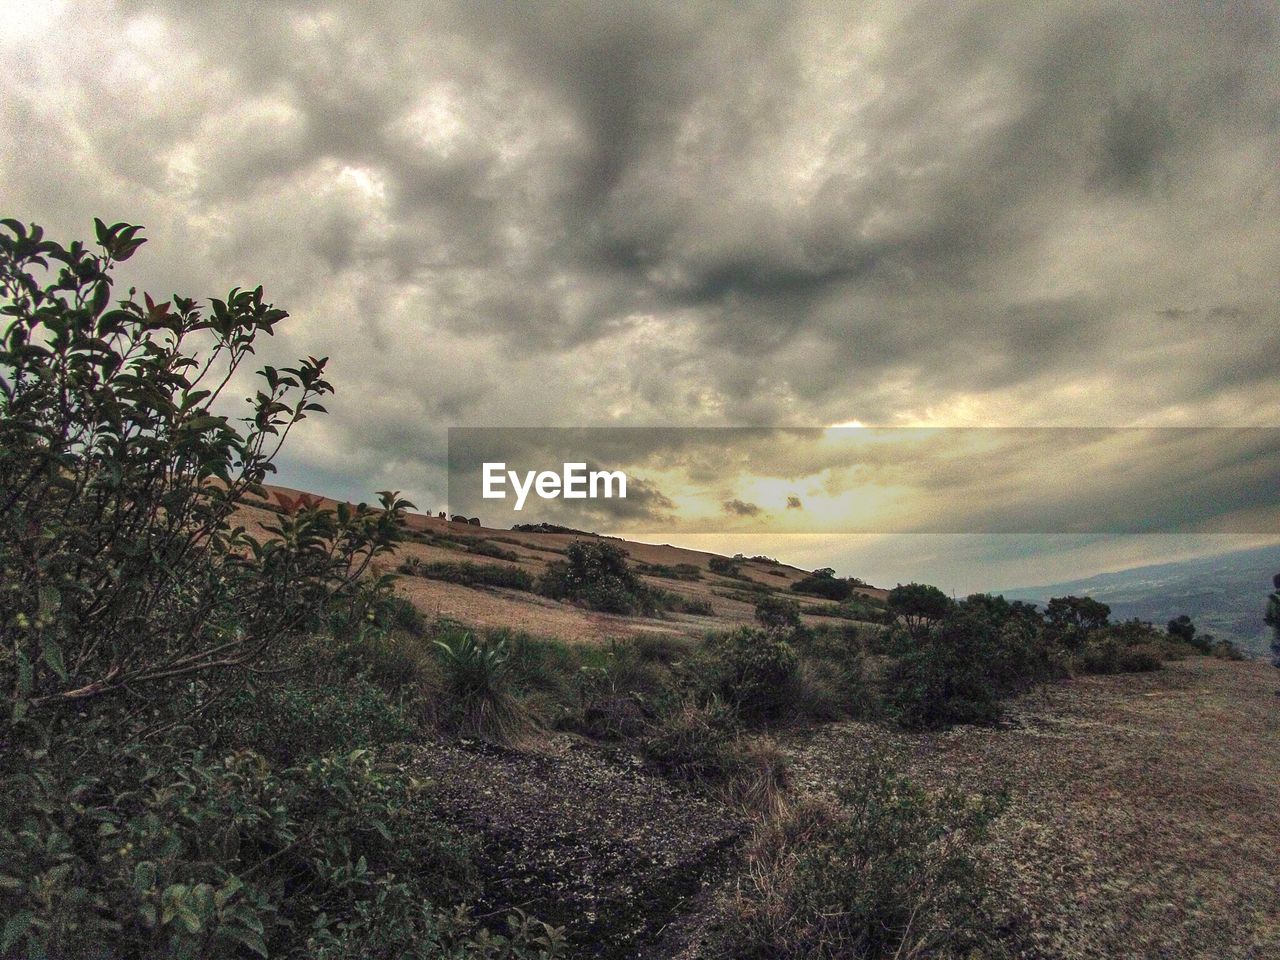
(824, 583)
(595, 573)
(158, 851)
(945, 676)
(469, 574)
(755, 670)
(142, 639)
(118, 566)
(291, 722)
(778, 614)
(889, 871)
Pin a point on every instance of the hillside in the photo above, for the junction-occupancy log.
(730, 598)
(1225, 595)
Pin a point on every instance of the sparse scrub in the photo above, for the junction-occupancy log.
(679, 571)
(470, 574)
(693, 741)
(888, 871)
(485, 548)
(661, 647)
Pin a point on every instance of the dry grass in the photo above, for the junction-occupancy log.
(1142, 816)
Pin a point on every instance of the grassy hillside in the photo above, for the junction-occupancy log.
(725, 600)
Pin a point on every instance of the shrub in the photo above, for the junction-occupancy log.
(484, 548)
(778, 614)
(889, 871)
(660, 647)
(290, 723)
(118, 565)
(141, 635)
(755, 670)
(694, 606)
(950, 675)
(1226, 650)
(470, 574)
(680, 571)
(1106, 653)
(824, 583)
(725, 567)
(161, 851)
(596, 574)
(1130, 647)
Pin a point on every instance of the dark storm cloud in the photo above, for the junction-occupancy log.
(741, 508)
(753, 213)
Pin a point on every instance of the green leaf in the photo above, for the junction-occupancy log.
(18, 924)
(248, 938)
(189, 918)
(144, 876)
(51, 653)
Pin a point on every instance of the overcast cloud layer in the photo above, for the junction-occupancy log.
(938, 213)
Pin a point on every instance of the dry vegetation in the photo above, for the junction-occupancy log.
(1141, 808)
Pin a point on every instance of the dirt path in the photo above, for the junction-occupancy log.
(1144, 813)
(582, 836)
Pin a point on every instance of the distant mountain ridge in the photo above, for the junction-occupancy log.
(1225, 595)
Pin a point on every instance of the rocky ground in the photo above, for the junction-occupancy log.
(582, 837)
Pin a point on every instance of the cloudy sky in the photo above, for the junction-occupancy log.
(895, 214)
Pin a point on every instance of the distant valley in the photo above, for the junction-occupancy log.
(1225, 595)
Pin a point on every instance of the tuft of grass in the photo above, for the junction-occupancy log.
(887, 870)
(482, 700)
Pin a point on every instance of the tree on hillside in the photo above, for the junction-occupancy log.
(1071, 619)
(1181, 628)
(918, 606)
